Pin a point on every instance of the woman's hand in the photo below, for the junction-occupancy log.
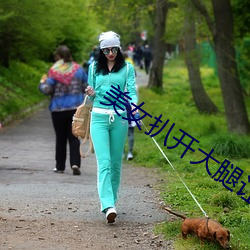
(135, 111)
(90, 91)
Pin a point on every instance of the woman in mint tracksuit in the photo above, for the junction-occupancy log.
(108, 129)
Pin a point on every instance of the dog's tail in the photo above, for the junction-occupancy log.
(175, 213)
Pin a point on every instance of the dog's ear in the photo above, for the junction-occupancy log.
(214, 235)
(228, 237)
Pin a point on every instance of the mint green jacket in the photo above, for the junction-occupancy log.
(125, 78)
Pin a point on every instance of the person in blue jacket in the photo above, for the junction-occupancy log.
(108, 129)
(65, 83)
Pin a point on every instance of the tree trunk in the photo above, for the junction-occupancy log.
(235, 108)
(223, 38)
(201, 99)
(159, 46)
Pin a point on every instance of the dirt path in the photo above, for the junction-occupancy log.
(43, 210)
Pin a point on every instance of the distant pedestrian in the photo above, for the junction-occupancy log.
(131, 136)
(138, 56)
(93, 55)
(65, 84)
(108, 129)
(147, 54)
(131, 124)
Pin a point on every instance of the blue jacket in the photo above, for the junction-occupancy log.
(65, 97)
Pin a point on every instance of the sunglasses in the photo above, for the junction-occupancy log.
(106, 51)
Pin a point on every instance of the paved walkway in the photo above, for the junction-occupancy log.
(29, 189)
(141, 78)
(27, 158)
(26, 163)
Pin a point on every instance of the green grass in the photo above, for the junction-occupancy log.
(19, 88)
(176, 104)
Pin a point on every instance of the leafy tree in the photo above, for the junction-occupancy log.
(175, 24)
(201, 99)
(23, 33)
(242, 33)
(221, 28)
(156, 72)
(28, 33)
(241, 18)
(181, 25)
(78, 29)
(126, 17)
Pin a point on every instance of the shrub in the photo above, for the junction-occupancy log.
(231, 146)
(224, 200)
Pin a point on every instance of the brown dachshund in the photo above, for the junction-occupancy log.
(204, 228)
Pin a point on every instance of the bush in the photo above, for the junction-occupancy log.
(19, 88)
(224, 200)
(231, 146)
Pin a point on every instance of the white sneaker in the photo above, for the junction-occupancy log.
(129, 156)
(111, 214)
(76, 170)
(58, 171)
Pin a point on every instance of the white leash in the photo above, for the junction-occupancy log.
(175, 171)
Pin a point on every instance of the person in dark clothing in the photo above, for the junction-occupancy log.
(65, 83)
(147, 54)
(93, 55)
(138, 56)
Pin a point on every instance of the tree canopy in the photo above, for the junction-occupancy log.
(28, 33)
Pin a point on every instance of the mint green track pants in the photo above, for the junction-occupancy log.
(108, 139)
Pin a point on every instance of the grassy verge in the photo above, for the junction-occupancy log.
(176, 104)
(19, 88)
